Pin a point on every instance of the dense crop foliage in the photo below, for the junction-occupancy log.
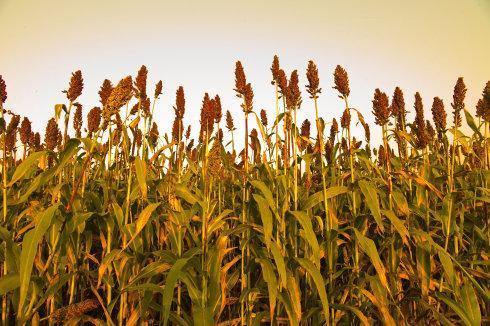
(113, 223)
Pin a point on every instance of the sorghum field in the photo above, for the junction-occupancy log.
(109, 220)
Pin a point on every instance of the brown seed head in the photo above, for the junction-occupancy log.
(120, 95)
(293, 94)
(248, 95)
(367, 132)
(25, 131)
(179, 107)
(419, 122)
(288, 122)
(398, 108)
(35, 141)
(485, 105)
(282, 81)
(341, 80)
(381, 156)
(67, 313)
(93, 120)
(138, 137)
(313, 86)
(344, 145)
(329, 151)
(480, 108)
(135, 108)
(177, 129)
(105, 91)
(240, 79)
(140, 81)
(3, 90)
(154, 134)
(275, 69)
(51, 136)
(215, 161)
(458, 101)
(345, 120)
(207, 117)
(78, 120)
(14, 123)
(11, 133)
(306, 128)
(158, 89)
(145, 106)
(439, 114)
(381, 107)
(190, 145)
(334, 129)
(263, 117)
(220, 135)
(76, 86)
(431, 133)
(218, 111)
(229, 121)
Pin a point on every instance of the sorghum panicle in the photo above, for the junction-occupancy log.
(341, 80)
(75, 87)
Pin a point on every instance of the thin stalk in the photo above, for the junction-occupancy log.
(244, 277)
(4, 194)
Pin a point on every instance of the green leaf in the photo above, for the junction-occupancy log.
(184, 193)
(71, 148)
(25, 166)
(8, 283)
(317, 198)
(369, 191)
(367, 245)
(118, 212)
(271, 280)
(58, 108)
(280, 264)
(320, 285)
(266, 216)
(142, 220)
(170, 282)
(265, 191)
(460, 311)
(401, 201)
(106, 262)
(12, 251)
(140, 167)
(286, 302)
(305, 222)
(29, 249)
(422, 254)
(470, 304)
(364, 320)
(471, 122)
(397, 223)
(448, 267)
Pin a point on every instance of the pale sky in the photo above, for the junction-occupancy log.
(422, 45)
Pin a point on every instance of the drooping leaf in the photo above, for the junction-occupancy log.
(25, 166)
(371, 195)
(367, 245)
(319, 283)
(266, 216)
(140, 167)
(29, 249)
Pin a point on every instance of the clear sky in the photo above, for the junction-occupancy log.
(420, 45)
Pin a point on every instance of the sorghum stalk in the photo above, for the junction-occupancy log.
(4, 194)
(458, 105)
(4, 167)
